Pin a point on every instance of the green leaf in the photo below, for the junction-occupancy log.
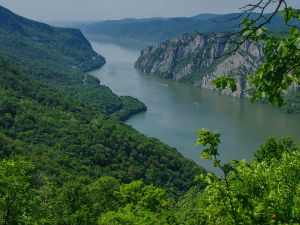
(287, 13)
(294, 31)
(297, 43)
(259, 32)
(200, 178)
(282, 50)
(216, 163)
(247, 33)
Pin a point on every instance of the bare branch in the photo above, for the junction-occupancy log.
(248, 10)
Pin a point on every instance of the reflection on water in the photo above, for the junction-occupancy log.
(176, 111)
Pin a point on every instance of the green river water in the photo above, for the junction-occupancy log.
(176, 111)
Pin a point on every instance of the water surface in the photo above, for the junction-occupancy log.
(176, 111)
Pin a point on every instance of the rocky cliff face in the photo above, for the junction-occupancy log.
(193, 59)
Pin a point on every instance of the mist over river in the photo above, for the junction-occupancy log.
(176, 111)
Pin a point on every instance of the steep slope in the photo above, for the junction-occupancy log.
(190, 59)
(59, 56)
(68, 142)
(21, 37)
(154, 30)
(193, 59)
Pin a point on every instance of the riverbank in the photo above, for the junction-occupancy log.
(176, 111)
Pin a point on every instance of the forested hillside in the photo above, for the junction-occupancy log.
(62, 163)
(62, 154)
(66, 158)
(60, 56)
(69, 144)
(36, 43)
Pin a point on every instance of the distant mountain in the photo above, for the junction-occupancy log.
(205, 16)
(69, 23)
(154, 30)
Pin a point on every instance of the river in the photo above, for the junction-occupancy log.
(176, 111)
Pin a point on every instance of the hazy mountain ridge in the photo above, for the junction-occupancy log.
(154, 30)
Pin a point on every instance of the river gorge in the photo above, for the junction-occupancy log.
(176, 111)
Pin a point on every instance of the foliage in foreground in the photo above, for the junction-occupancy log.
(265, 191)
(56, 154)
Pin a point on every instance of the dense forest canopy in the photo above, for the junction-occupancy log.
(60, 57)
(61, 136)
(68, 159)
(67, 143)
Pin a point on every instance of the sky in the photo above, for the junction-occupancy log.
(91, 10)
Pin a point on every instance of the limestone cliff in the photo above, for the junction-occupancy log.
(193, 59)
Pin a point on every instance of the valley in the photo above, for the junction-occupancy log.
(118, 123)
(176, 111)
(198, 59)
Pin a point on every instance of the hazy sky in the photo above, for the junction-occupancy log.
(81, 10)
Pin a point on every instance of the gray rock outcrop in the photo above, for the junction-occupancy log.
(194, 59)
